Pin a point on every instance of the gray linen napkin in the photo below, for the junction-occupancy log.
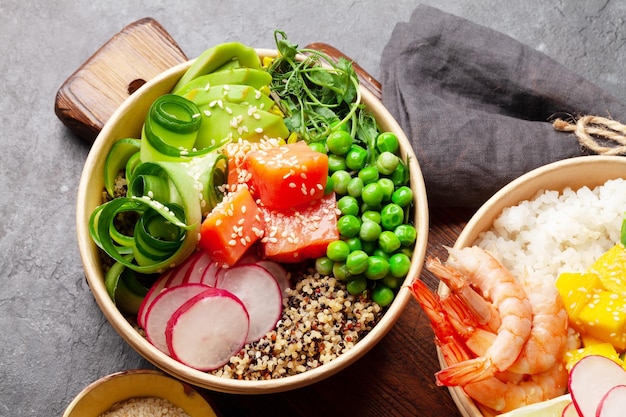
(477, 105)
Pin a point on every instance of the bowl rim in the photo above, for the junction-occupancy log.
(518, 190)
(168, 384)
(207, 380)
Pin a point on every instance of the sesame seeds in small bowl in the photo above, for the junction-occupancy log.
(138, 392)
(323, 328)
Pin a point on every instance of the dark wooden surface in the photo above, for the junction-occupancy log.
(396, 377)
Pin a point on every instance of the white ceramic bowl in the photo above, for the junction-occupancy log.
(127, 122)
(576, 172)
(102, 394)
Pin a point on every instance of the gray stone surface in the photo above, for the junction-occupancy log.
(53, 338)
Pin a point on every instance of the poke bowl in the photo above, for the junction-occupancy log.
(549, 225)
(362, 322)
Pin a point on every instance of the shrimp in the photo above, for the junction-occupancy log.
(504, 390)
(499, 286)
(548, 335)
(483, 311)
(503, 394)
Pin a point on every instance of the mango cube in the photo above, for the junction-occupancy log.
(604, 317)
(576, 290)
(611, 269)
(603, 349)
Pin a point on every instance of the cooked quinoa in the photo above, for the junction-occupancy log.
(320, 321)
(145, 407)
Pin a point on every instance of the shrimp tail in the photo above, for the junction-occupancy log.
(484, 312)
(431, 306)
(449, 341)
(466, 372)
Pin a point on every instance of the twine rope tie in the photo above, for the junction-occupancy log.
(592, 131)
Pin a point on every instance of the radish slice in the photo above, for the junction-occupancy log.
(177, 277)
(187, 265)
(211, 274)
(196, 271)
(153, 293)
(278, 272)
(208, 329)
(162, 309)
(570, 411)
(614, 402)
(259, 292)
(590, 379)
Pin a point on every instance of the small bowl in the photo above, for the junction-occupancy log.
(575, 173)
(127, 122)
(102, 394)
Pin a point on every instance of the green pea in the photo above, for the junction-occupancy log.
(348, 226)
(403, 196)
(399, 265)
(324, 265)
(330, 184)
(354, 243)
(340, 271)
(369, 247)
(382, 294)
(345, 125)
(336, 163)
(387, 187)
(337, 251)
(388, 241)
(377, 267)
(406, 233)
(355, 187)
(387, 163)
(379, 252)
(387, 142)
(392, 282)
(368, 174)
(348, 205)
(400, 176)
(356, 158)
(392, 215)
(318, 146)
(357, 286)
(340, 181)
(356, 262)
(370, 231)
(339, 142)
(372, 194)
(371, 215)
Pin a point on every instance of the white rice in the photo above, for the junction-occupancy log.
(557, 232)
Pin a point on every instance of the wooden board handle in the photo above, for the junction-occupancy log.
(135, 55)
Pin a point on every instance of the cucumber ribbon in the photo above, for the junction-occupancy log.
(174, 174)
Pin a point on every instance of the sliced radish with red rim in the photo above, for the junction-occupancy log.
(278, 272)
(162, 309)
(590, 379)
(153, 292)
(208, 329)
(614, 403)
(196, 271)
(259, 292)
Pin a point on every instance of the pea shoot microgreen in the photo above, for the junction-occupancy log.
(317, 93)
